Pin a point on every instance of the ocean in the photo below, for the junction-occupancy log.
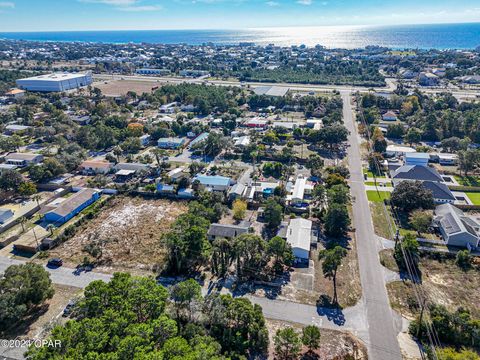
(434, 36)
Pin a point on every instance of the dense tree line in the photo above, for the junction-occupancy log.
(136, 318)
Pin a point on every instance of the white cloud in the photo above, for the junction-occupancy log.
(305, 2)
(112, 2)
(126, 5)
(7, 5)
(140, 8)
(272, 3)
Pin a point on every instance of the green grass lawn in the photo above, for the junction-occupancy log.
(372, 183)
(468, 180)
(377, 196)
(370, 174)
(474, 197)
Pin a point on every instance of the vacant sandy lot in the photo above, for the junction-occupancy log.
(121, 87)
(124, 236)
(333, 344)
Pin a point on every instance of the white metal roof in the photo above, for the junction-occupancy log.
(56, 76)
(299, 233)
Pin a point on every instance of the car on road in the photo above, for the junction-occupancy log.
(55, 262)
(69, 308)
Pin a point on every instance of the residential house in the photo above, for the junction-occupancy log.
(237, 191)
(198, 139)
(300, 189)
(447, 159)
(415, 172)
(242, 142)
(456, 228)
(430, 179)
(93, 167)
(389, 116)
(416, 158)
(15, 94)
(171, 143)
(5, 215)
(168, 108)
(17, 129)
(428, 79)
(299, 234)
(227, 231)
(214, 183)
(23, 159)
(136, 167)
(398, 150)
(72, 205)
(145, 139)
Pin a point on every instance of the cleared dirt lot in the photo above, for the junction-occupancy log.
(124, 236)
(443, 281)
(333, 344)
(121, 87)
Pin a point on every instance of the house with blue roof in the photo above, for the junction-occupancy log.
(214, 183)
(171, 143)
(71, 206)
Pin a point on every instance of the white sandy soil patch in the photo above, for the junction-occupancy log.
(127, 234)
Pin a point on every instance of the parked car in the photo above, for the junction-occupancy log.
(55, 262)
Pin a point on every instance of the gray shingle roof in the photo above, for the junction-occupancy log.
(439, 190)
(416, 172)
(229, 231)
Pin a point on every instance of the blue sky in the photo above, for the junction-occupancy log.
(53, 15)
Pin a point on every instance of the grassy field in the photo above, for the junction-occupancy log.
(373, 183)
(381, 224)
(443, 281)
(377, 196)
(468, 180)
(370, 174)
(474, 197)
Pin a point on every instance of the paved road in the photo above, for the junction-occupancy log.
(391, 84)
(61, 275)
(383, 325)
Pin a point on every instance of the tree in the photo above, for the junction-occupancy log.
(282, 252)
(336, 220)
(420, 220)
(273, 213)
(287, 344)
(250, 253)
(413, 136)
(183, 295)
(315, 164)
(27, 188)
(406, 251)
(379, 144)
(311, 337)
(338, 194)
(239, 209)
(375, 161)
(452, 354)
(411, 195)
(463, 259)
(468, 160)
(10, 180)
(332, 259)
(22, 288)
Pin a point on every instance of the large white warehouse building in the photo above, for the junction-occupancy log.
(55, 82)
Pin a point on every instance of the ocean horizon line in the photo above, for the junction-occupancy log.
(400, 36)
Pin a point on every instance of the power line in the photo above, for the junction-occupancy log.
(409, 262)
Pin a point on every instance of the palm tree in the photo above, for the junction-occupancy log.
(51, 228)
(23, 220)
(37, 198)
